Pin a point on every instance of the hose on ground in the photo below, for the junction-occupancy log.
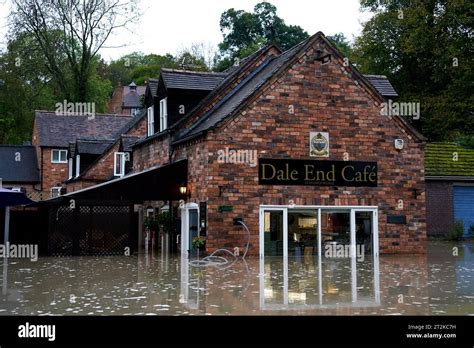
(220, 261)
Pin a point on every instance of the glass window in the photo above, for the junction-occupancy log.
(150, 121)
(163, 114)
(59, 156)
(55, 191)
(119, 164)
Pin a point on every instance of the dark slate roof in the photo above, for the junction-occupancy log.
(439, 160)
(93, 146)
(240, 93)
(183, 79)
(131, 100)
(58, 130)
(382, 85)
(25, 170)
(153, 85)
(128, 141)
(132, 95)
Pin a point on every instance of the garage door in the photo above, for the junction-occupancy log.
(464, 205)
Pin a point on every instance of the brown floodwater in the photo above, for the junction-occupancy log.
(438, 283)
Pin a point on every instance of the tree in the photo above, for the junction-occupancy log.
(425, 48)
(246, 32)
(138, 68)
(342, 43)
(25, 85)
(69, 33)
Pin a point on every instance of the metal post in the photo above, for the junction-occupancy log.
(6, 250)
(7, 227)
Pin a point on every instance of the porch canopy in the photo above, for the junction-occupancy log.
(159, 183)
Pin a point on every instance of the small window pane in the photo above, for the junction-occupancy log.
(55, 155)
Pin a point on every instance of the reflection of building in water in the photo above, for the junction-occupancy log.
(318, 283)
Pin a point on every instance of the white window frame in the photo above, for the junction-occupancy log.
(78, 165)
(122, 164)
(70, 168)
(59, 156)
(318, 209)
(163, 114)
(150, 121)
(58, 188)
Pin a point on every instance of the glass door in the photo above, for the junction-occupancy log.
(274, 256)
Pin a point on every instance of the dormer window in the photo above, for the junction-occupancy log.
(150, 121)
(163, 114)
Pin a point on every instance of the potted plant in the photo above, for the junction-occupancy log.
(164, 220)
(199, 243)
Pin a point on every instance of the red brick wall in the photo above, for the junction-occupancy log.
(139, 130)
(439, 207)
(54, 174)
(328, 101)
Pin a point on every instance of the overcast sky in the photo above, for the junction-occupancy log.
(170, 25)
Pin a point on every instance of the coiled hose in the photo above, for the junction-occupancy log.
(220, 261)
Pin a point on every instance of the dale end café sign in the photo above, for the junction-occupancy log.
(316, 173)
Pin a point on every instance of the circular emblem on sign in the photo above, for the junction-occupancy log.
(319, 144)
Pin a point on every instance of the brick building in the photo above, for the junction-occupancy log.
(69, 147)
(293, 143)
(449, 187)
(127, 100)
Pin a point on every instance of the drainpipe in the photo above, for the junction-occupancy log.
(41, 169)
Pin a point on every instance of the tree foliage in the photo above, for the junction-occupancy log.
(69, 35)
(245, 32)
(426, 50)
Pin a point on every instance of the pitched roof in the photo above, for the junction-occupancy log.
(92, 146)
(239, 94)
(59, 130)
(153, 86)
(25, 170)
(439, 160)
(382, 85)
(131, 100)
(195, 80)
(231, 74)
(378, 84)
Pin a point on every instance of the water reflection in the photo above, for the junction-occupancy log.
(313, 283)
(436, 283)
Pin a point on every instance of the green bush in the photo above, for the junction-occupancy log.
(456, 232)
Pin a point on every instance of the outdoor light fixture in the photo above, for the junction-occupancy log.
(183, 189)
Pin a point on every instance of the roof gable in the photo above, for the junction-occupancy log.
(270, 70)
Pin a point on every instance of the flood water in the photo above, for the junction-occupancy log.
(438, 283)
